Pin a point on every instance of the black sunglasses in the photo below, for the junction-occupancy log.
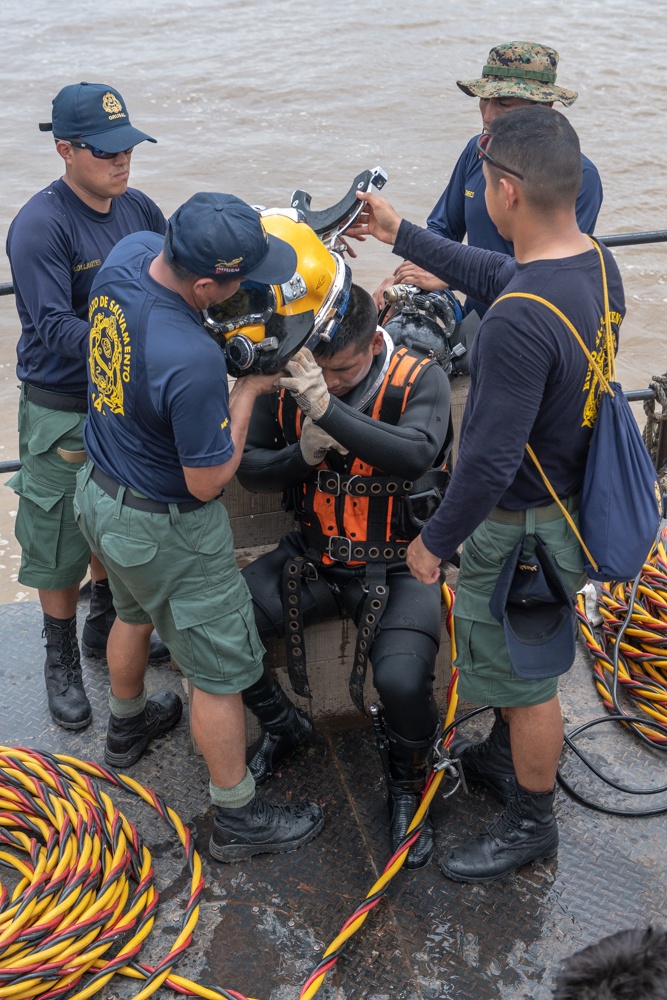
(99, 154)
(482, 143)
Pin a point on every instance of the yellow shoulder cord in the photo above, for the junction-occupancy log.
(604, 383)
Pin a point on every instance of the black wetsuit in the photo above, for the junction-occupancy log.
(406, 642)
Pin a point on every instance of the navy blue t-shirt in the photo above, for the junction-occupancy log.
(56, 245)
(157, 382)
(530, 380)
(461, 208)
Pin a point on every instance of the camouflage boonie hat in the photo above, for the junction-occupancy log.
(520, 69)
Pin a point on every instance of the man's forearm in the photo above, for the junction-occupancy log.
(481, 274)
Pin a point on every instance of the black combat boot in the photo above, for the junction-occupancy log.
(526, 831)
(128, 738)
(489, 762)
(285, 727)
(97, 626)
(261, 828)
(68, 704)
(409, 767)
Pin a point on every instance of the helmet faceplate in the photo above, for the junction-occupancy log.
(262, 326)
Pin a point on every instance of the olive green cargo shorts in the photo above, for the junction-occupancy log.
(177, 570)
(486, 676)
(54, 553)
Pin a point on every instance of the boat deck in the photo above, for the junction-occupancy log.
(265, 923)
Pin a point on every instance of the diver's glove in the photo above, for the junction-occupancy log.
(315, 443)
(306, 384)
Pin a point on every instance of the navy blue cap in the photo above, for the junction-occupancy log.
(95, 113)
(536, 612)
(214, 235)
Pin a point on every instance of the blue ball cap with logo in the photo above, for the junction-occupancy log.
(218, 235)
(96, 114)
(536, 611)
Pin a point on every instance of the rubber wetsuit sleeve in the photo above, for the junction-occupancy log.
(481, 274)
(407, 449)
(269, 464)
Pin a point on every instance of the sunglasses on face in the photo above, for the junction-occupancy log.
(482, 143)
(99, 154)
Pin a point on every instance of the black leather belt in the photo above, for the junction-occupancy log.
(54, 400)
(130, 499)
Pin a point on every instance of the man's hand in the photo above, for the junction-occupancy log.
(347, 248)
(306, 383)
(378, 294)
(260, 385)
(377, 219)
(408, 273)
(315, 443)
(423, 565)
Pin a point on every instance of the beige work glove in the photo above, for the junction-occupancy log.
(315, 443)
(306, 384)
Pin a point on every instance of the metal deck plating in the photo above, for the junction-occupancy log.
(265, 923)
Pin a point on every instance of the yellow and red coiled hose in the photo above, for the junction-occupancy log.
(85, 900)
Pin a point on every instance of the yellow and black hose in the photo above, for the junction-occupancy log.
(84, 898)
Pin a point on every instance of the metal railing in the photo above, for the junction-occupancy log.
(633, 395)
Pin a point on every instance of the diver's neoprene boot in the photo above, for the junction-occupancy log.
(409, 767)
(262, 828)
(128, 738)
(527, 831)
(97, 626)
(68, 704)
(285, 727)
(490, 761)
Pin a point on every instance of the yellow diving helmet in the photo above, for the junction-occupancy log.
(261, 326)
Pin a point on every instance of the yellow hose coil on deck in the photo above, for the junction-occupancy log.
(85, 879)
(84, 900)
(642, 645)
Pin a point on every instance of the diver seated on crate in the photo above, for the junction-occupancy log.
(357, 438)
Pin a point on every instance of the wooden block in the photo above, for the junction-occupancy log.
(329, 653)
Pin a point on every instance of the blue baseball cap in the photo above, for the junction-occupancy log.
(217, 235)
(536, 611)
(95, 113)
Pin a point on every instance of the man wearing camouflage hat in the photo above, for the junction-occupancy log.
(515, 74)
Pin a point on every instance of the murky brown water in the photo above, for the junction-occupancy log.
(265, 97)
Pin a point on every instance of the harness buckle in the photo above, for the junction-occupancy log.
(420, 507)
(328, 481)
(339, 548)
(349, 485)
(309, 572)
